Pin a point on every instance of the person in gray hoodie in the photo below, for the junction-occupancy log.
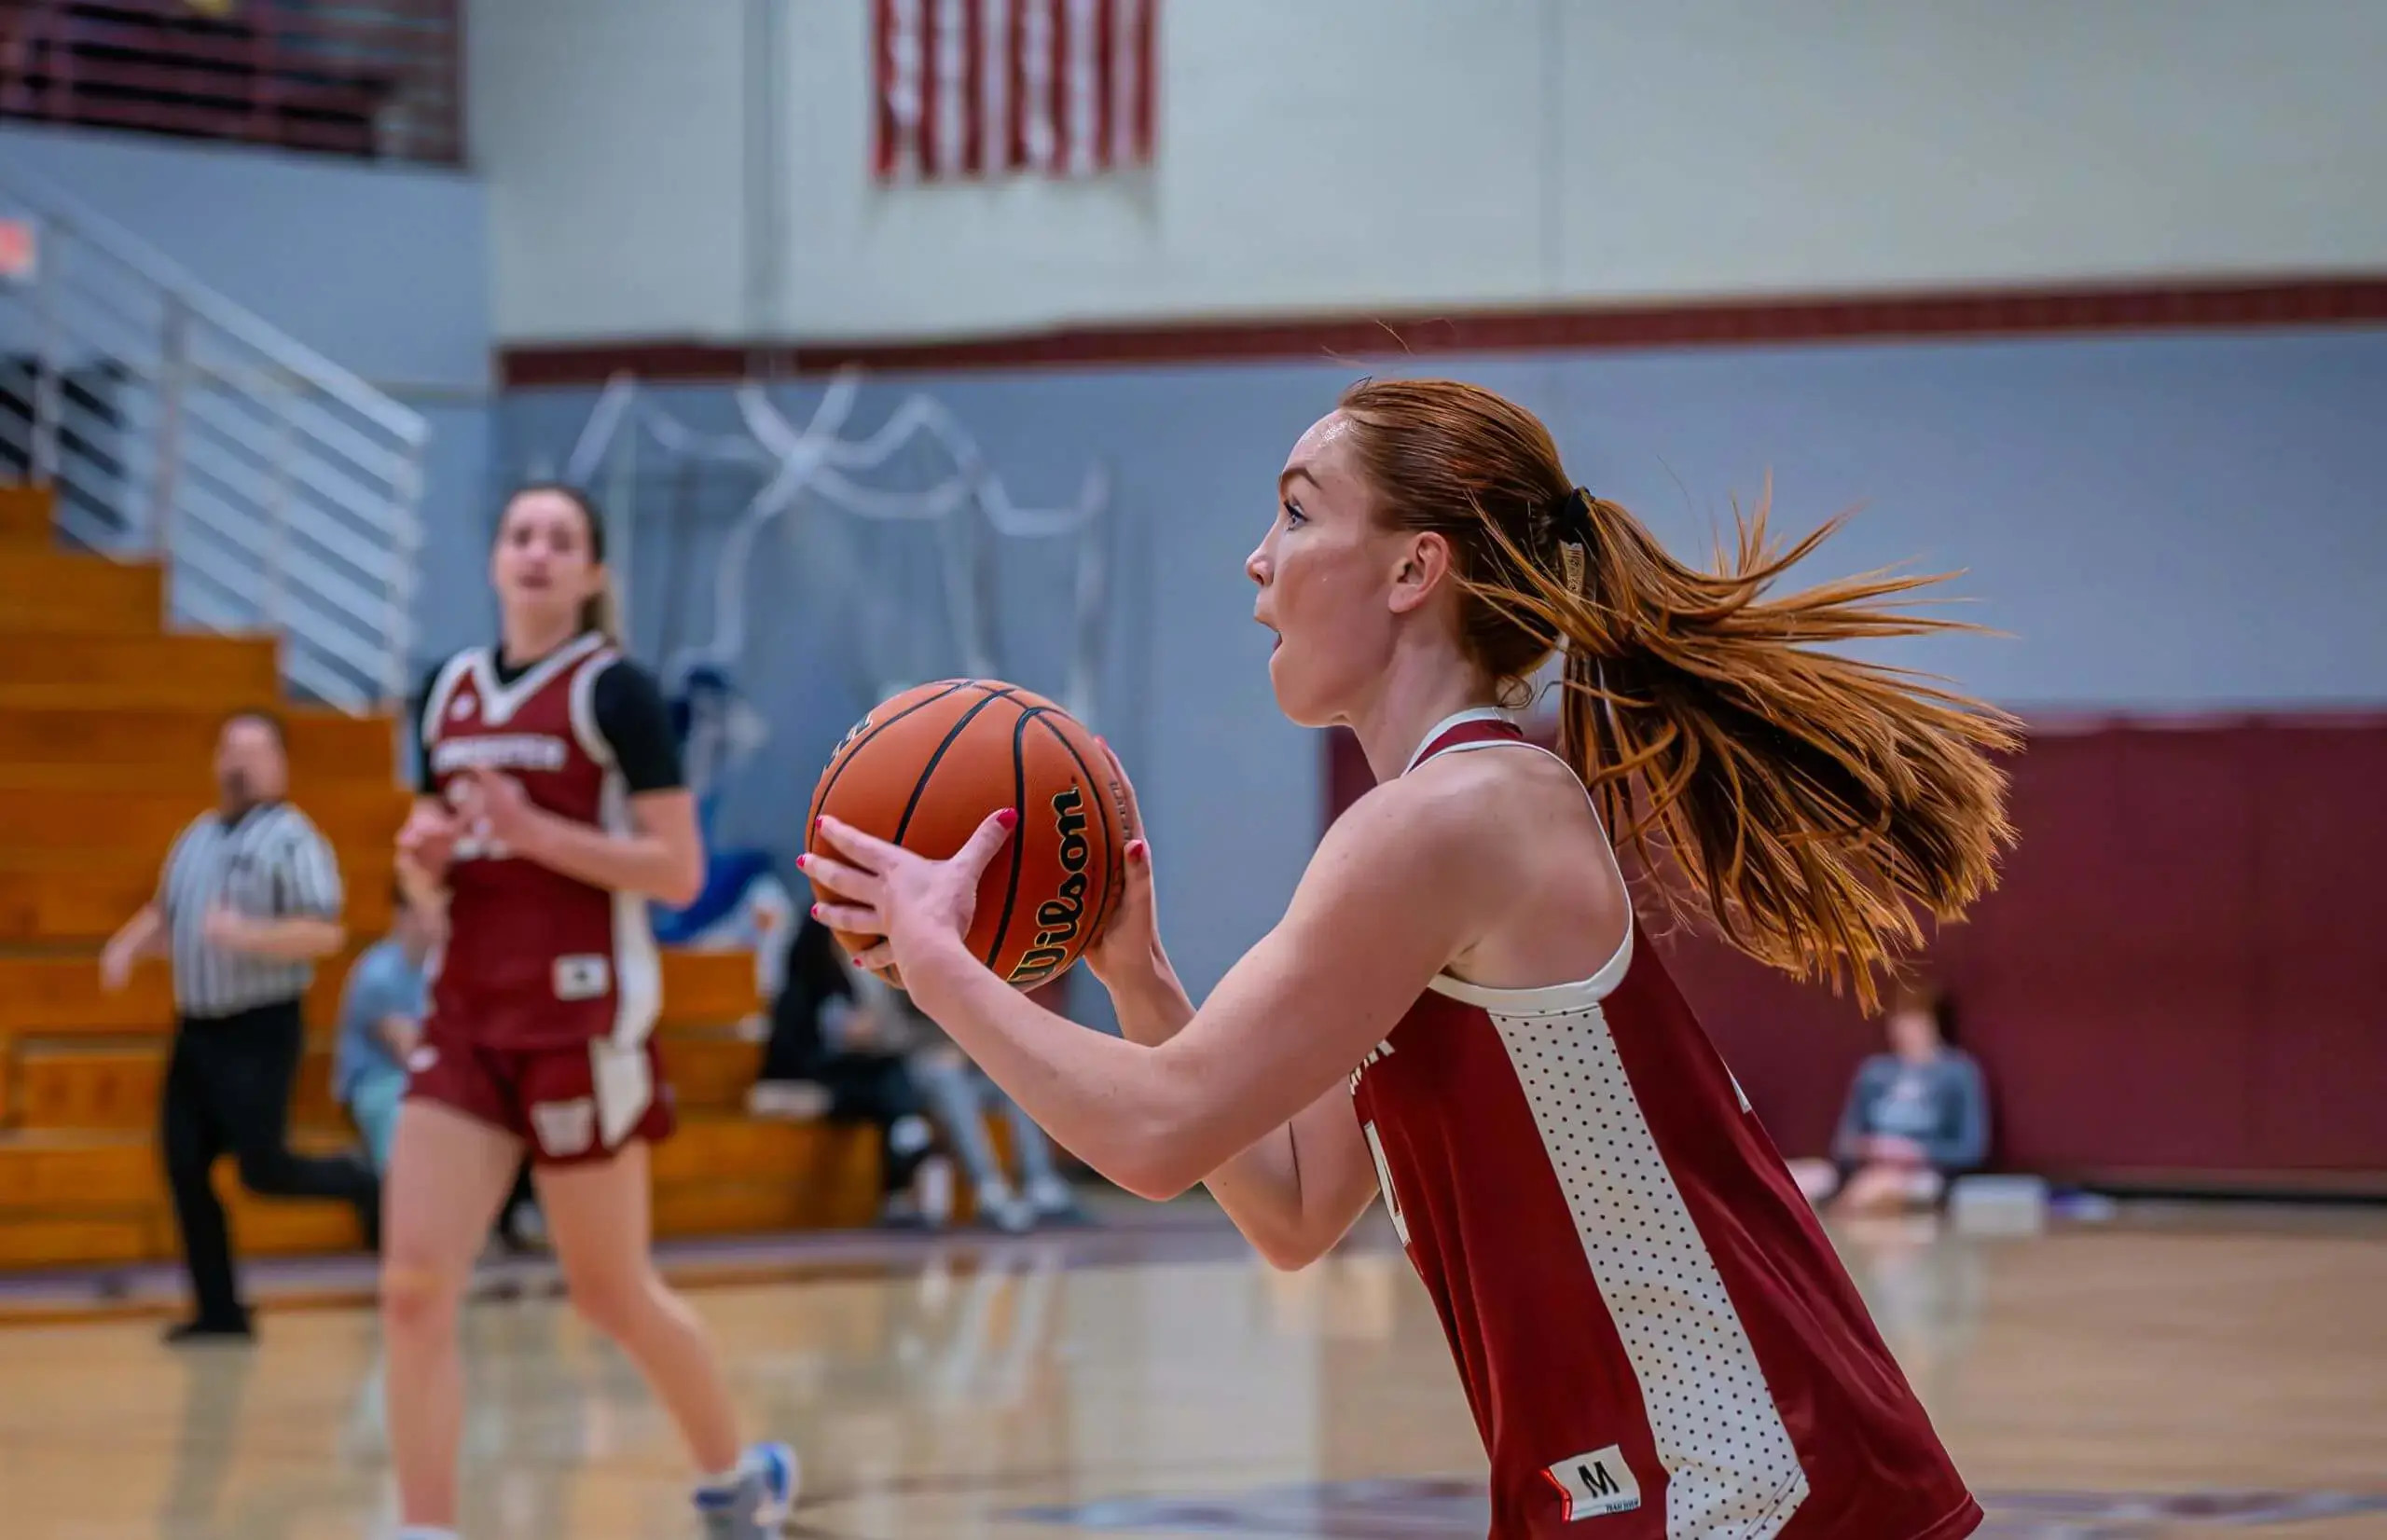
(1916, 1118)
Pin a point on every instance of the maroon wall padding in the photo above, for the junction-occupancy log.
(2184, 968)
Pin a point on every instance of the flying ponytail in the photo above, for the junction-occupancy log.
(1807, 801)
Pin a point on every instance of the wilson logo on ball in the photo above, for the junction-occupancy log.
(1059, 919)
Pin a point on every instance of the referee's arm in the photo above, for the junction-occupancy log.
(141, 936)
(306, 922)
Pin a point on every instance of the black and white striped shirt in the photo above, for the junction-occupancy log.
(269, 863)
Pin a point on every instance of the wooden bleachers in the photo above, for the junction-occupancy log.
(107, 724)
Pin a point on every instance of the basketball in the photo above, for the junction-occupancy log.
(926, 767)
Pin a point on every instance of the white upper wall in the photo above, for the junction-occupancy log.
(609, 133)
(1356, 155)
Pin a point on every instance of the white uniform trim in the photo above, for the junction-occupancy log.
(499, 702)
(442, 691)
(638, 965)
(583, 706)
(1578, 995)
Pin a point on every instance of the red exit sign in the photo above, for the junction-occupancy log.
(20, 251)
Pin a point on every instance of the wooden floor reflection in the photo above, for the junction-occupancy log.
(1020, 1395)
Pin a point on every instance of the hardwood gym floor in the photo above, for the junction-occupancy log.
(2155, 1377)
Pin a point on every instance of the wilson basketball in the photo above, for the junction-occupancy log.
(927, 766)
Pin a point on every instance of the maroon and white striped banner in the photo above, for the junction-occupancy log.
(968, 88)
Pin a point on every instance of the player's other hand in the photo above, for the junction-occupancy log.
(1127, 952)
(427, 840)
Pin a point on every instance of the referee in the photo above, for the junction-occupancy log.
(250, 896)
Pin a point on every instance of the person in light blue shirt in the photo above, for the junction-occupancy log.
(381, 1008)
(1916, 1118)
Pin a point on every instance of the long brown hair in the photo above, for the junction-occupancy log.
(600, 611)
(1808, 799)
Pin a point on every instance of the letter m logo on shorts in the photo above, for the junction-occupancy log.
(1595, 1484)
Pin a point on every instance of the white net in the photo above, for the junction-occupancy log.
(904, 533)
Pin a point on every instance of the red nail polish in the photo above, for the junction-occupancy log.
(1008, 817)
(815, 910)
(801, 861)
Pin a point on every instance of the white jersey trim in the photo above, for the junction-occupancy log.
(583, 706)
(638, 966)
(1545, 999)
(1555, 1000)
(443, 692)
(499, 702)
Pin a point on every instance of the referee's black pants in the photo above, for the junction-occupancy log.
(228, 1088)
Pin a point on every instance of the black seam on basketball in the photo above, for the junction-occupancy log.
(920, 787)
(1019, 829)
(1114, 858)
(845, 756)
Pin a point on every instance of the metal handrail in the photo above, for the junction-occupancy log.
(164, 274)
(205, 437)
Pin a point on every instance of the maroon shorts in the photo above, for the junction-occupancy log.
(570, 1104)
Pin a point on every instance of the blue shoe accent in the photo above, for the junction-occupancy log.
(756, 1507)
(779, 1473)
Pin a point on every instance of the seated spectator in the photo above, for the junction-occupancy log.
(1916, 1117)
(842, 1027)
(381, 1008)
(834, 1054)
(961, 1095)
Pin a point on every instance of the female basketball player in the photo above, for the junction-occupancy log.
(552, 804)
(1455, 1012)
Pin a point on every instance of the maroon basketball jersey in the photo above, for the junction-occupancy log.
(1651, 1326)
(535, 958)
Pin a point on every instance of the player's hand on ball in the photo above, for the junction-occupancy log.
(871, 887)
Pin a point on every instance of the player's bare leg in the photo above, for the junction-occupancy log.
(448, 1175)
(599, 1222)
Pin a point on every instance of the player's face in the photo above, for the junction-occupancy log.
(1326, 574)
(543, 561)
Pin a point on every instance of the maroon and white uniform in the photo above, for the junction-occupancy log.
(1652, 1327)
(546, 996)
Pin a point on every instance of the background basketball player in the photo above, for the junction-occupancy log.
(551, 799)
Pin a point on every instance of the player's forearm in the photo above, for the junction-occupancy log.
(298, 938)
(1130, 1110)
(634, 864)
(1152, 1006)
(1259, 1189)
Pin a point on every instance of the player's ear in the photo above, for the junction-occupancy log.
(1424, 561)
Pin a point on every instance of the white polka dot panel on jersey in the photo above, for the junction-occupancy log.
(1731, 1467)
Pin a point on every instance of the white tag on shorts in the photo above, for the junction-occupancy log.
(565, 1127)
(1595, 1484)
(586, 977)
